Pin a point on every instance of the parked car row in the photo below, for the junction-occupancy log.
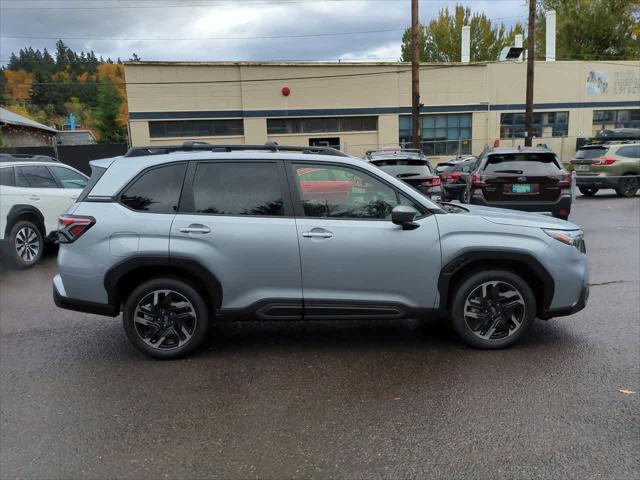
(521, 178)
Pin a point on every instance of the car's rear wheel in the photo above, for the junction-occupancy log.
(588, 191)
(628, 186)
(166, 318)
(25, 244)
(493, 309)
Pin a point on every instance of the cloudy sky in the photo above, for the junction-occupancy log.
(226, 29)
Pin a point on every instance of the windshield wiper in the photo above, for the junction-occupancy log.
(518, 172)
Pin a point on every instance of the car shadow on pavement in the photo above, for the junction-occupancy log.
(431, 334)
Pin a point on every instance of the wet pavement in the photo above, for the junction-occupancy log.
(343, 400)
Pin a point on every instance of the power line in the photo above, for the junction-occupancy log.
(256, 37)
(225, 4)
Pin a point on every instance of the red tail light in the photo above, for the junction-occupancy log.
(71, 227)
(606, 160)
(436, 182)
(456, 175)
(478, 181)
(564, 180)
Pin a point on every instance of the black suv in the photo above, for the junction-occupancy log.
(521, 178)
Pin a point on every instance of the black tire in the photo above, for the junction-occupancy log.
(503, 335)
(24, 245)
(588, 191)
(158, 324)
(464, 196)
(628, 186)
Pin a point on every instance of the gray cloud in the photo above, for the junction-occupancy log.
(118, 32)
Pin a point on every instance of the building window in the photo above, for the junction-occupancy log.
(285, 126)
(195, 128)
(545, 124)
(608, 119)
(442, 134)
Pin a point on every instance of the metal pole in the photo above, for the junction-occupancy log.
(531, 55)
(415, 74)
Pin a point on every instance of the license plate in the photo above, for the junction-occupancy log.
(521, 188)
(582, 168)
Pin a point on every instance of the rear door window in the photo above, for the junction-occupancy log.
(156, 190)
(228, 188)
(7, 177)
(35, 176)
(590, 153)
(522, 164)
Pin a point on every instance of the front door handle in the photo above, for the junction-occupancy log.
(35, 198)
(195, 228)
(317, 233)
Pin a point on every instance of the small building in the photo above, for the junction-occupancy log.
(367, 106)
(19, 131)
(75, 137)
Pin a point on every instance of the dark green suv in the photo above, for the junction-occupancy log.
(614, 165)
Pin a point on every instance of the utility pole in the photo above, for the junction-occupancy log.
(531, 55)
(415, 75)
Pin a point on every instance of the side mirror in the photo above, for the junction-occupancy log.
(404, 216)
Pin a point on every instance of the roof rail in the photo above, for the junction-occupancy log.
(16, 157)
(192, 145)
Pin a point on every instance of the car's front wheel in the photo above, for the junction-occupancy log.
(166, 318)
(493, 309)
(25, 244)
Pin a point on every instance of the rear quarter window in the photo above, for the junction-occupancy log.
(157, 190)
(631, 151)
(523, 163)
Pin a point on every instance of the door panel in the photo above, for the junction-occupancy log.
(253, 258)
(40, 189)
(370, 261)
(352, 255)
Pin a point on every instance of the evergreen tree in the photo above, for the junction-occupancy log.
(106, 114)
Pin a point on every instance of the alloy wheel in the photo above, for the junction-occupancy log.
(27, 244)
(165, 319)
(494, 310)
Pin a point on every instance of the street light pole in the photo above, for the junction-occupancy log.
(531, 54)
(415, 75)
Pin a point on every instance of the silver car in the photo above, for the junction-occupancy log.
(178, 237)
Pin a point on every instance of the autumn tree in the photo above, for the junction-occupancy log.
(106, 114)
(592, 29)
(440, 39)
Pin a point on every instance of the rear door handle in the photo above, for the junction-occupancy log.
(195, 228)
(317, 233)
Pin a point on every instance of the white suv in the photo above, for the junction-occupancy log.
(34, 191)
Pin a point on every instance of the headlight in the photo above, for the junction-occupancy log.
(575, 238)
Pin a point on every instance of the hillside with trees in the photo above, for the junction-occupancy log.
(47, 87)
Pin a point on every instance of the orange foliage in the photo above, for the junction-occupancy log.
(18, 85)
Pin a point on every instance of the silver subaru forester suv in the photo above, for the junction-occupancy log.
(178, 237)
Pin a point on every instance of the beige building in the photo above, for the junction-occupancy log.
(366, 106)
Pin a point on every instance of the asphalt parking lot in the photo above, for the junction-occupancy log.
(343, 400)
